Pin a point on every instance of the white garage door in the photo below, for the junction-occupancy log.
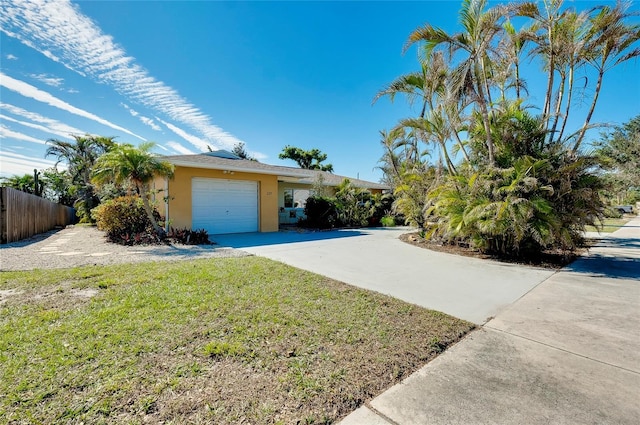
(224, 206)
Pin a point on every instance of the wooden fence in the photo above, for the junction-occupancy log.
(23, 215)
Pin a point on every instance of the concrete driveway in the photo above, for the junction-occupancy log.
(568, 352)
(375, 259)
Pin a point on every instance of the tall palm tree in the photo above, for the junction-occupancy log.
(472, 75)
(425, 86)
(610, 46)
(576, 33)
(126, 164)
(544, 33)
(80, 157)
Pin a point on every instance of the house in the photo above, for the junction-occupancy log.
(222, 193)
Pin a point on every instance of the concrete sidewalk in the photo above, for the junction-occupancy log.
(568, 352)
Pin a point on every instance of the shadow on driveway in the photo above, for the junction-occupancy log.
(597, 265)
(246, 240)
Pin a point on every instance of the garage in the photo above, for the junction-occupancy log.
(224, 206)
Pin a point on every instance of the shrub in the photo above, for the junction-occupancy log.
(321, 213)
(534, 205)
(353, 204)
(388, 221)
(610, 212)
(125, 221)
(189, 237)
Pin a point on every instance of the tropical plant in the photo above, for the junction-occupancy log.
(353, 204)
(523, 183)
(411, 194)
(58, 186)
(610, 44)
(27, 183)
(310, 160)
(189, 237)
(80, 157)
(619, 153)
(471, 77)
(137, 167)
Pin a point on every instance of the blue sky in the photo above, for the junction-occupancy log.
(188, 75)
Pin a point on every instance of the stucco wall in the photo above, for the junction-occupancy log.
(180, 195)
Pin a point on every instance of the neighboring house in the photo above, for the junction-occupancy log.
(222, 193)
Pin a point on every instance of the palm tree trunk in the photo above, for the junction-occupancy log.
(462, 148)
(558, 106)
(147, 208)
(568, 106)
(576, 146)
(485, 118)
(517, 68)
(450, 166)
(552, 69)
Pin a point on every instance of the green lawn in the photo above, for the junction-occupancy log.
(609, 225)
(209, 341)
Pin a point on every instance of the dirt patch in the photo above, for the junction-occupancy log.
(5, 294)
(545, 259)
(84, 293)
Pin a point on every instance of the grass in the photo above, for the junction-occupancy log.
(609, 225)
(209, 341)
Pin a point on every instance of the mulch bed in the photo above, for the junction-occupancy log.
(545, 259)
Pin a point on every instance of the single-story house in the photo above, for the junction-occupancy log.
(223, 193)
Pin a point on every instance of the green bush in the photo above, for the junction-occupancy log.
(610, 212)
(388, 221)
(353, 204)
(534, 205)
(321, 213)
(125, 221)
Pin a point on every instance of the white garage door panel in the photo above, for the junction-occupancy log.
(224, 206)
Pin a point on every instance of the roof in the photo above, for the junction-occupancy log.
(291, 174)
(331, 179)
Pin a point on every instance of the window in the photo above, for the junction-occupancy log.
(295, 198)
(288, 198)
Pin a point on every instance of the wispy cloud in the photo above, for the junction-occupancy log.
(194, 140)
(48, 79)
(48, 125)
(145, 120)
(13, 163)
(179, 148)
(60, 31)
(28, 90)
(11, 57)
(148, 121)
(6, 132)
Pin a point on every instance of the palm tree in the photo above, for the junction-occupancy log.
(25, 183)
(80, 158)
(426, 85)
(472, 76)
(610, 46)
(126, 164)
(544, 33)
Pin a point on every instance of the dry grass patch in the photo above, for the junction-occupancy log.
(212, 341)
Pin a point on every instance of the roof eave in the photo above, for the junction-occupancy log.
(211, 166)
